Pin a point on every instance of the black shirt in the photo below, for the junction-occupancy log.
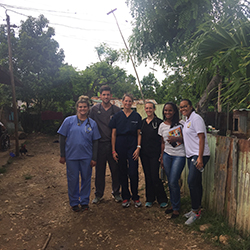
(150, 140)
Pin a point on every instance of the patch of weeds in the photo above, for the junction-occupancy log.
(219, 226)
(10, 160)
(27, 176)
(3, 169)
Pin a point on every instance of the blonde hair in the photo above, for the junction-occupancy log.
(83, 99)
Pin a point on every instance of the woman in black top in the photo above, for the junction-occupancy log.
(150, 154)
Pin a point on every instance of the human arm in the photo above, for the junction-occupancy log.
(94, 153)
(162, 151)
(172, 139)
(137, 151)
(201, 150)
(113, 140)
(62, 142)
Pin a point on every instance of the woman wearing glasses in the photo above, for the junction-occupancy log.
(197, 153)
(78, 136)
(150, 156)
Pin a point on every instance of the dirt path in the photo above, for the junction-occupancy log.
(34, 205)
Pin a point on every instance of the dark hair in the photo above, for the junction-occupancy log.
(150, 103)
(105, 88)
(128, 95)
(175, 120)
(189, 103)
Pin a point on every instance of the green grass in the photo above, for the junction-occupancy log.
(27, 176)
(219, 226)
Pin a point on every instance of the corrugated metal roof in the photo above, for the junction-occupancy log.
(118, 102)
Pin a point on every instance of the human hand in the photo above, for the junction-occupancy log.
(136, 154)
(62, 160)
(199, 164)
(92, 163)
(115, 156)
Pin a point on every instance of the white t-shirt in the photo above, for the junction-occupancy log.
(192, 127)
(163, 131)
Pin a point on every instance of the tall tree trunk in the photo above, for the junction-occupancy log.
(208, 94)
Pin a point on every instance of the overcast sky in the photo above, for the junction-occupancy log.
(80, 26)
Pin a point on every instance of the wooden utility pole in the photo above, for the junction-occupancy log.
(112, 11)
(12, 86)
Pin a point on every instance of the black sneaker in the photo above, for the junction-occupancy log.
(85, 207)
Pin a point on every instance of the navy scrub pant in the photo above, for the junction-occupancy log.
(74, 168)
(105, 155)
(128, 168)
(154, 185)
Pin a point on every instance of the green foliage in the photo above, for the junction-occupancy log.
(149, 86)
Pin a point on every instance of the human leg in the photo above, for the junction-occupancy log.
(133, 174)
(195, 182)
(100, 170)
(150, 194)
(173, 166)
(85, 172)
(114, 172)
(73, 182)
(157, 183)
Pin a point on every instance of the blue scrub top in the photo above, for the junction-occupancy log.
(80, 139)
(126, 125)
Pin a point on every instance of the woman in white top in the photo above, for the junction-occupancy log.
(197, 153)
(173, 157)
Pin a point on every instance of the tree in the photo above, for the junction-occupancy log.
(223, 52)
(149, 86)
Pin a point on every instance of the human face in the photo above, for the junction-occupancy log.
(149, 109)
(127, 102)
(185, 108)
(82, 110)
(105, 96)
(169, 112)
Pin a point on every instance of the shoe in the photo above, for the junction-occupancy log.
(76, 208)
(96, 200)
(117, 198)
(173, 216)
(169, 211)
(126, 203)
(137, 203)
(193, 218)
(149, 204)
(187, 215)
(163, 204)
(85, 207)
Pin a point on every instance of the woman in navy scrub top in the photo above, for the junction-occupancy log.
(126, 144)
(78, 137)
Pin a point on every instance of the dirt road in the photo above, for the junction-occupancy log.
(34, 208)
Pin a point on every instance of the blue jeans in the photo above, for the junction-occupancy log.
(173, 166)
(195, 182)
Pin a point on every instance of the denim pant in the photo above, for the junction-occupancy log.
(173, 166)
(195, 182)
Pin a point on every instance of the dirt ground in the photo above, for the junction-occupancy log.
(34, 210)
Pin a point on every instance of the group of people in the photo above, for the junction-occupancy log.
(105, 133)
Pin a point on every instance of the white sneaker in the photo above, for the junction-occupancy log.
(193, 217)
(187, 215)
